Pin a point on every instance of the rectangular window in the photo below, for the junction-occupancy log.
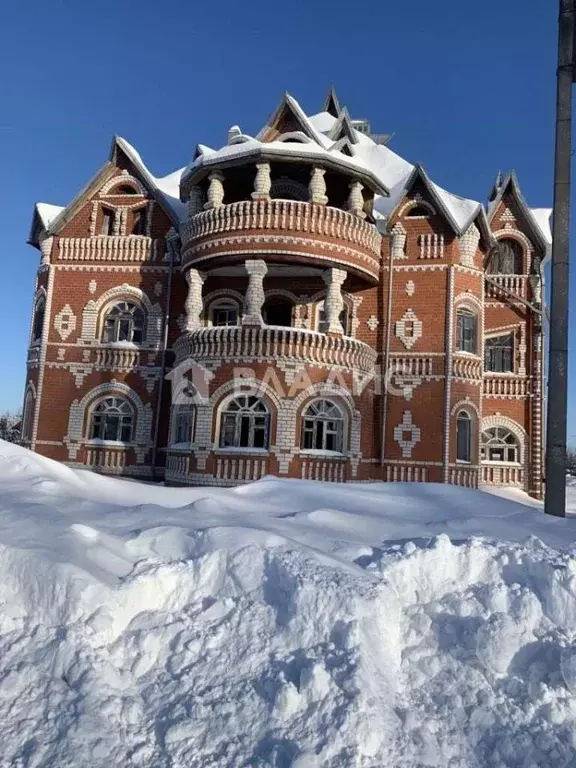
(107, 221)
(466, 332)
(139, 225)
(463, 441)
(222, 317)
(499, 353)
(183, 426)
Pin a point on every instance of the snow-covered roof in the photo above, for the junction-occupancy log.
(324, 137)
(48, 212)
(543, 218)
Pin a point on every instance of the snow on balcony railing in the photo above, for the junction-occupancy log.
(284, 216)
(273, 342)
(466, 366)
(116, 359)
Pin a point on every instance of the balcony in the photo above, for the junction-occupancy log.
(252, 344)
(284, 230)
(505, 385)
(132, 249)
(501, 286)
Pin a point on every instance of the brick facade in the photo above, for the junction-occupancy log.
(373, 327)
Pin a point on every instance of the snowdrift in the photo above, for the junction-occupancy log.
(284, 623)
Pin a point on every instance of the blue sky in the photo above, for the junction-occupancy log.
(466, 89)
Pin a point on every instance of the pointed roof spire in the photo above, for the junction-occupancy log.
(497, 186)
(332, 104)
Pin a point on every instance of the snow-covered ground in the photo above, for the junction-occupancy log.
(285, 623)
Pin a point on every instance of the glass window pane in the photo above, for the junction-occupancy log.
(111, 426)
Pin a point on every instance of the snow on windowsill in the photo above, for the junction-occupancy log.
(109, 443)
(179, 447)
(318, 453)
(259, 451)
(487, 463)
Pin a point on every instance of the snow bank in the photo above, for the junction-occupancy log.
(285, 623)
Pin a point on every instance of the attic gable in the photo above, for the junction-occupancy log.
(509, 206)
(288, 118)
(332, 103)
(343, 128)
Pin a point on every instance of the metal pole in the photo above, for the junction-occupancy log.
(555, 499)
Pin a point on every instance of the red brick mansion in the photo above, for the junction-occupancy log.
(303, 303)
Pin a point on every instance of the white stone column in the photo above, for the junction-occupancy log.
(398, 242)
(355, 199)
(195, 201)
(333, 302)
(45, 249)
(215, 190)
(262, 182)
(254, 299)
(317, 186)
(193, 303)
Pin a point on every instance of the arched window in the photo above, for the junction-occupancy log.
(286, 189)
(183, 424)
(466, 331)
(224, 312)
(245, 423)
(418, 211)
(506, 258)
(323, 322)
(500, 444)
(278, 311)
(38, 323)
(28, 416)
(112, 419)
(323, 427)
(463, 437)
(125, 189)
(499, 353)
(139, 222)
(124, 322)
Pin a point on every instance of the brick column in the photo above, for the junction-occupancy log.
(334, 303)
(215, 190)
(193, 304)
(254, 299)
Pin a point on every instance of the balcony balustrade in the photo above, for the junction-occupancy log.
(305, 231)
(249, 343)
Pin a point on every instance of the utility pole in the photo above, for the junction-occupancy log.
(555, 500)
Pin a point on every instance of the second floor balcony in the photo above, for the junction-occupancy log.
(250, 343)
(290, 230)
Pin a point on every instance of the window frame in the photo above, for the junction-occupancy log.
(488, 349)
(122, 318)
(499, 443)
(98, 422)
(518, 256)
(140, 220)
(241, 421)
(38, 319)
(184, 412)
(223, 304)
(464, 417)
(108, 221)
(314, 427)
(466, 312)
